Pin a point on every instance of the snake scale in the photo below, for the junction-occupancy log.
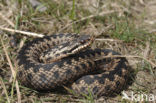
(71, 63)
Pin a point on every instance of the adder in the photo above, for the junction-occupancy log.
(66, 60)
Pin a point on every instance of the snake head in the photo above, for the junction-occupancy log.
(80, 43)
(66, 48)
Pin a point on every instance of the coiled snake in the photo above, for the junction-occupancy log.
(65, 60)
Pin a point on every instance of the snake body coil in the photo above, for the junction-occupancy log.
(82, 71)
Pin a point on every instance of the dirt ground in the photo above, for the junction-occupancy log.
(128, 27)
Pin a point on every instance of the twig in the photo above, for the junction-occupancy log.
(146, 50)
(152, 31)
(7, 20)
(88, 17)
(18, 92)
(142, 2)
(6, 93)
(10, 64)
(111, 40)
(22, 32)
(13, 71)
(127, 56)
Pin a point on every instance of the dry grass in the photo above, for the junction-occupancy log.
(124, 26)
